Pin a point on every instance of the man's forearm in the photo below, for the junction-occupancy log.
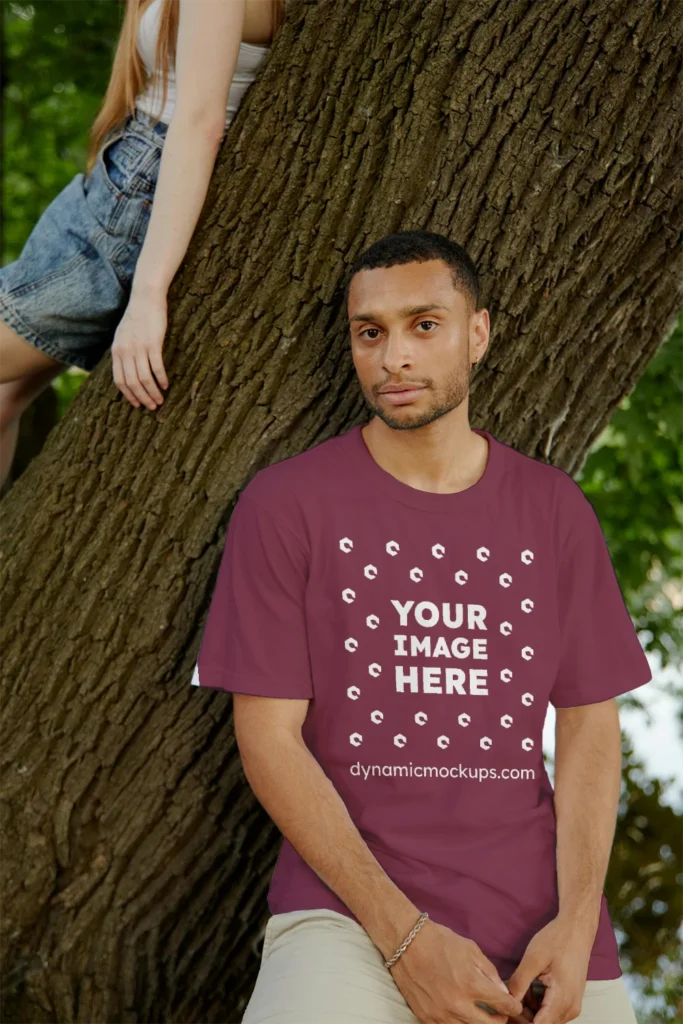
(587, 784)
(302, 801)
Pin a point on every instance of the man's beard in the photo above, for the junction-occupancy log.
(450, 396)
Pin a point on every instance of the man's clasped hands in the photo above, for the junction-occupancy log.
(446, 979)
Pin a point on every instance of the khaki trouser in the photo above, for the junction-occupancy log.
(321, 967)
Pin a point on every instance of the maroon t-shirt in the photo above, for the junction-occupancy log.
(429, 632)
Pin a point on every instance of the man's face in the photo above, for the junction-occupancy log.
(409, 325)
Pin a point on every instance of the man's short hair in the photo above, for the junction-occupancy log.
(419, 246)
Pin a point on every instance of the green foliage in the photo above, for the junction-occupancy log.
(58, 57)
(634, 479)
(67, 385)
(643, 881)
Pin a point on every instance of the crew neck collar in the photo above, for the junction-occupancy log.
(430, 501)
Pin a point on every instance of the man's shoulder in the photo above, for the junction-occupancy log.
(534, 472)
(296, 480)
(554, 493)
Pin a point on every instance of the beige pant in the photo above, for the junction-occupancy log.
(321, 967)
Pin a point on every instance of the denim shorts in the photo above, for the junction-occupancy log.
(68, 289)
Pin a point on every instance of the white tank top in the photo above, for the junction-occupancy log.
(249, 57)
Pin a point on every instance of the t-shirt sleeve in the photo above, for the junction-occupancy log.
(255, 638)
(600, 654)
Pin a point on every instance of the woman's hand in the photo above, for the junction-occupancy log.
(136, 349)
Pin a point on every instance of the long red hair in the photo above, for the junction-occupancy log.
(128, 74)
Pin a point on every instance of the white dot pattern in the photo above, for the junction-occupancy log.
(460, 577)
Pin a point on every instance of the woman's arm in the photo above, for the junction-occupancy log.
(209, 36)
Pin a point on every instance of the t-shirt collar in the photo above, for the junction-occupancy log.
(379, 479)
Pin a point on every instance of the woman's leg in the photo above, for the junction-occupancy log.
(25, 371)
(19, 359)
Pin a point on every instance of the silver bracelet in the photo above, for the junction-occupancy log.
(404, 945)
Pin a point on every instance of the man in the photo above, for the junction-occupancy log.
(394, 610)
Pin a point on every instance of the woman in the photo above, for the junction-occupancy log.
(96, 269)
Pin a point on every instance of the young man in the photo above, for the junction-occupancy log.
(394, 610)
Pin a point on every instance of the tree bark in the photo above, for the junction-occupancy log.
(545, 138)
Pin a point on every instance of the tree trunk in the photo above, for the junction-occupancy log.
(543, 136)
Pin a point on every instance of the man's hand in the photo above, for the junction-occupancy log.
(136, 350)
(558, 956)
(446, 977)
